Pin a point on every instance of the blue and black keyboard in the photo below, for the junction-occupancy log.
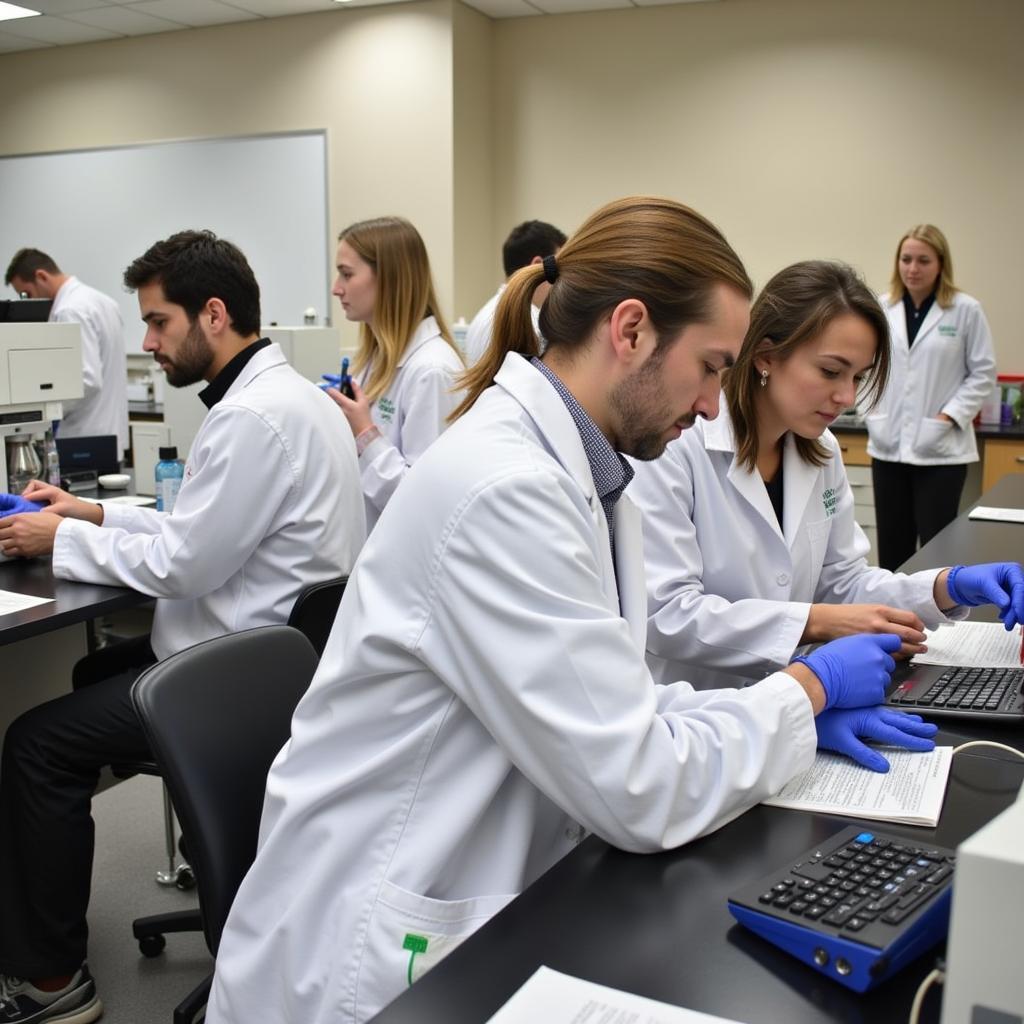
(857, 908)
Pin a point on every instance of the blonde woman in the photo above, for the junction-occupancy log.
(404, 372)
(943, 367)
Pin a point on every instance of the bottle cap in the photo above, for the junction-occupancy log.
(168, 453)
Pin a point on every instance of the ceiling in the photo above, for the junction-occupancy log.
(67, 22)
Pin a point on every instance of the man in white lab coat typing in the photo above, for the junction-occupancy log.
(103, 408)
(270, 503)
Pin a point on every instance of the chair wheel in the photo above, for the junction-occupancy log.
(152, 945)
(185, 878)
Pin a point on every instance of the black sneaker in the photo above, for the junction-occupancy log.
(76, 1003)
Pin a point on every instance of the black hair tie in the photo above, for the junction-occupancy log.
(550, 269)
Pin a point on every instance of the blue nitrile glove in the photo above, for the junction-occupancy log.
(12, 504)
(854, 670)
(841, 730)
(998, 583)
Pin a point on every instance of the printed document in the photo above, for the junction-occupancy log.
(11, 602)
(911, 791)
(1000, 515)
(556, 998)
(973, 645)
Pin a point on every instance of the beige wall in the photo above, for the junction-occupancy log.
(805, 128)
(477, 258)
(379, 80)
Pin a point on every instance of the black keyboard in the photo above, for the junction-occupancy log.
(993, 690)
(857, 908)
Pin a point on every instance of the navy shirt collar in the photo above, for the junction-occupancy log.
(611, 472)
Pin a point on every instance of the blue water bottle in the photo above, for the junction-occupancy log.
(170, 471)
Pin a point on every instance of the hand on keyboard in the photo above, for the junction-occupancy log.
(842, 730)
(854, 670)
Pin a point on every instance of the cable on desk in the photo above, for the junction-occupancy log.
(936, 975)
(988, 743)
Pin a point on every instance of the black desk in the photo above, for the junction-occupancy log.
(72, 602)
(658, 925)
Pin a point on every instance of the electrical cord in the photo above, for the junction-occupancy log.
(936, 975)
(988, 743)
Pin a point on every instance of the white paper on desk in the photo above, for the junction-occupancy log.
(12, 602)
(999, 515)
(123, 499)
(911, 791)
(556, 998)
(971, 644)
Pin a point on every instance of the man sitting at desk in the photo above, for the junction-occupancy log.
(270, 503)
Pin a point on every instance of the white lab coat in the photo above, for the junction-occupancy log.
(728, 591)
(103, 407)
(950, 368)
(481, 327)
(270, 503)
(481, 703)
(410, 414)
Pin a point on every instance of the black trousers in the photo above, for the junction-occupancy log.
(52, 758)
(912, 503)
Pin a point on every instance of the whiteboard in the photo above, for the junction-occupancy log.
(96, 210)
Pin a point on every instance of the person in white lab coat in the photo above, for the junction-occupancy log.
(270, 503)
(750, 541)
(103, 407)
(526, 243)
(404, 374)
(483, 702)
(920, 434)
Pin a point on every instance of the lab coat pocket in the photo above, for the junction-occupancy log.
(879, 430)
(407, 935)
(937, 439)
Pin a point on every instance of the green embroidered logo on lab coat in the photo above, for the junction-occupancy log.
(386, 408)
(830, 499)
(947, 330)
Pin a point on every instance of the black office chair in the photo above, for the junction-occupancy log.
(215, 716)
(312, 615)
(315, 610)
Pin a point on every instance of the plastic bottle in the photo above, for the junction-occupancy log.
(170, 471)
(51, 464)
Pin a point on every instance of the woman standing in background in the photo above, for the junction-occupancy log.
(405, 369)
(920, 436)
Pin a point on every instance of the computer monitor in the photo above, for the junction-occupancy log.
(25, 311)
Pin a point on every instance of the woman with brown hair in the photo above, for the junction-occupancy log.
(750, 542)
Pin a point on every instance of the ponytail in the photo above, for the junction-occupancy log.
(513, 331)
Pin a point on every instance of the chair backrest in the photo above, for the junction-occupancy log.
(315, 610)
(216, 716)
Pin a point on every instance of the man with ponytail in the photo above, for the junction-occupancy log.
(484, 702)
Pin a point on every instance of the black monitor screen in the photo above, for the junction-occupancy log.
(25, 311)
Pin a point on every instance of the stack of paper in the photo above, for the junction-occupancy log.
(556, 998)
(972, 645)
(999, 515)
(911, 791)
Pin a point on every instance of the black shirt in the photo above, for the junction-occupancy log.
(915, 314)
(218, 387)
(774, 489)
